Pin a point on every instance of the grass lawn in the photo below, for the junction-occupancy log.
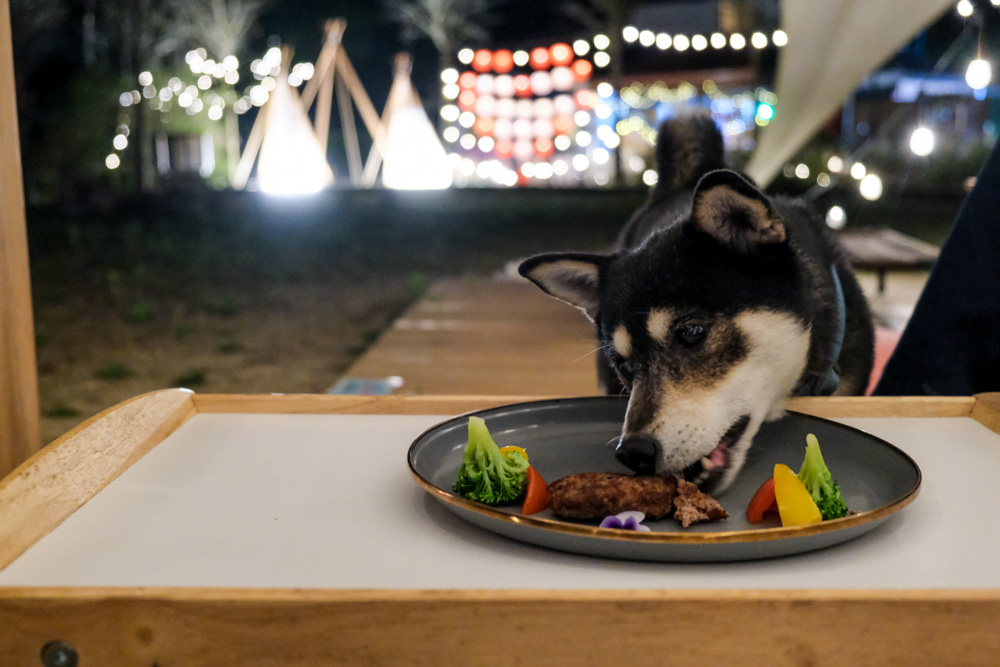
(235, 292)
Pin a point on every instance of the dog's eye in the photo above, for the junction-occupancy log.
(690, 335)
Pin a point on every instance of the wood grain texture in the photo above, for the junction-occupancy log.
(883, 406)
(986, 410)
(359, 405)
(20, 434)
(38, 495)
(639, 627)
(486, 337)
(828, 407)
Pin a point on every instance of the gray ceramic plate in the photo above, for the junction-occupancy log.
(574, 435)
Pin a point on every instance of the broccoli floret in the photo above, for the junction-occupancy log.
(487, 475)
(816, 477)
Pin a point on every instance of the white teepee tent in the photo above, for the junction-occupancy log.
(414, 157)
(291, 160)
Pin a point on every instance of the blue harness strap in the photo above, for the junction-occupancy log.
(827, 383)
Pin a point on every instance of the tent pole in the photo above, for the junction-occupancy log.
(350, 132)
(20, 430)
(326, 60)
(324, 102)
(250, 150)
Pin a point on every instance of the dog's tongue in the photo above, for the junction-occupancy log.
(718, 455)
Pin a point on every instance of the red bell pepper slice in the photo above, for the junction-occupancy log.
(763, 501)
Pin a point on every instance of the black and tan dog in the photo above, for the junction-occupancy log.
(717, 305)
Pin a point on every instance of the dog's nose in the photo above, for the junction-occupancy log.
(638, 453)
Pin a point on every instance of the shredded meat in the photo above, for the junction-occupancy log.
(692, 505)
(595, 495)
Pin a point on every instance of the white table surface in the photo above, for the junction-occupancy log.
(327, 501)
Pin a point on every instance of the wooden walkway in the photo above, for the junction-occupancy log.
(489, 336)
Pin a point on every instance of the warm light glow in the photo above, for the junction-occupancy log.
(112, 161)
(922, 141)
(602, 42)
(414, 157)
(291, 160)
(858, 171)
(521, 58)
(649, 177)
(870, 187)
(449, 75)
(663, 41)
(758, 40)
(779, 38)
(836, 218)
(561, 54)
(581, 47)
(737, 41)
(699, 43)
(602, 59)
(802, 170)
(681, 42)
(964, 8)
(465, 56)
(835, 164)
(629, 33)
(647, 38)
(718, 40)
(605, 89)
(979, 74)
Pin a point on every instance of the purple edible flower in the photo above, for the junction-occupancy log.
(626, 521)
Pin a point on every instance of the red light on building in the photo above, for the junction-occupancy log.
(561, 54)
(467, 80)
(582, 70)
(484, 126)
(584, 98)
(522, 85)
(482, 61)
(466, 100)
(503, 61)
(504, 148)
(543, 146)
(563, 124)
(540, 58)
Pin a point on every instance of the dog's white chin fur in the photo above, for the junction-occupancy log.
(693, 419)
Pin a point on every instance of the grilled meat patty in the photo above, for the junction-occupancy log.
(595, 495)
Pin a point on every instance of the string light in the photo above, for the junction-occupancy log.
(979, 74)
(922, 141)
(870, 187)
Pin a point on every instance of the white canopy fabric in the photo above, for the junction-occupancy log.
(832, 46)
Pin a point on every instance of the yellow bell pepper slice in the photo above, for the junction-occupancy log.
(514, 448)
(795, 505)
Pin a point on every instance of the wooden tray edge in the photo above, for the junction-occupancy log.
(43, 491)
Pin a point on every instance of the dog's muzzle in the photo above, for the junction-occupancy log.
(638, 453)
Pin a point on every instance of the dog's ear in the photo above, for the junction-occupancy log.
(732, 210)
(571, 277)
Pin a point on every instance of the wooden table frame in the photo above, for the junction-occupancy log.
(212, 626)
